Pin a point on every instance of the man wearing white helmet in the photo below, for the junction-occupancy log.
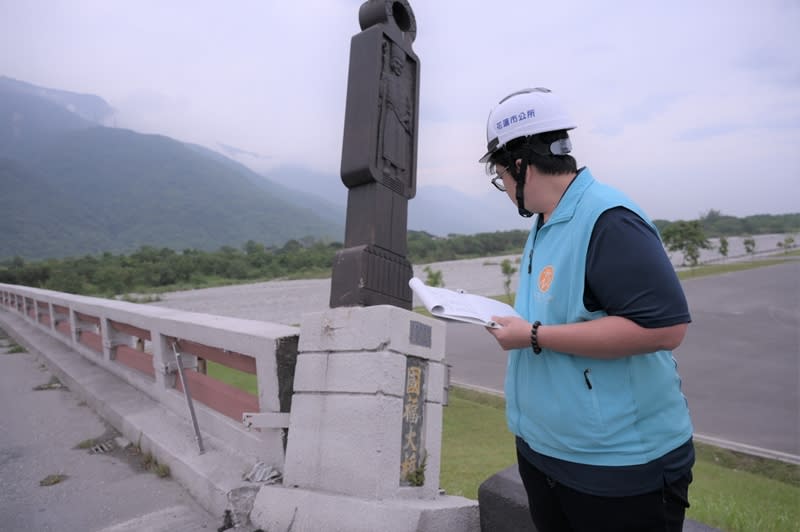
(604, 438)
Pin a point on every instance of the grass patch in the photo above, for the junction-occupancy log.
(731, 491)
(717, 269)
(52, 480)
(140, 298)
(794, 252)
(16, 348)
(234, 377)
(476, 443)
(774, 469)
(737, 500)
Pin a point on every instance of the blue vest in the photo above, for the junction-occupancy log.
(617, 412)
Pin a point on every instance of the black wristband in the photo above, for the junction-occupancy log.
(534, 337)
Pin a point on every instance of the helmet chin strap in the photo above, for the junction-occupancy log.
(520, 195)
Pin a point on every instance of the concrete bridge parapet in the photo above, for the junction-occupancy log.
(348, 408)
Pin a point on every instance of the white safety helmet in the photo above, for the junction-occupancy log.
(524, 113)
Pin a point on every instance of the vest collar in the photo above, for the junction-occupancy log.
(572, 196)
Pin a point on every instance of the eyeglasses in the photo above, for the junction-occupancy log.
(497, 180)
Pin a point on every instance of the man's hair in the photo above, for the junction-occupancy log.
(536, 148)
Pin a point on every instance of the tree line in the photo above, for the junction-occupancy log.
(152, 269)
(689, 237)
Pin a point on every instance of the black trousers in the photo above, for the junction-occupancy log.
(557, 508)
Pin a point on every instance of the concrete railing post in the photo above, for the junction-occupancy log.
(73, 327)
(52, 314)
(111, 339)
(162, 356)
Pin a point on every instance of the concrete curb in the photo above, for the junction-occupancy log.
(209, 477)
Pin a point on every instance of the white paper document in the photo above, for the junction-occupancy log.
(451, 305)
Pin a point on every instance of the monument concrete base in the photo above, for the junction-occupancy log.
(365, 432)
(300, 510)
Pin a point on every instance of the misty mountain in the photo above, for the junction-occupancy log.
(273, 184)
(322, 185)
(438, 210)
(69, 186)
(89, 107)
(442, 210)
(28, 120)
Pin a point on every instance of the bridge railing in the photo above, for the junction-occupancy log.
(138, 343)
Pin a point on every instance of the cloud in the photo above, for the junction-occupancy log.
(673, 92)
(647, 108)
(707, 132)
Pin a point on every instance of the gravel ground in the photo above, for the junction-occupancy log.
(286, 301)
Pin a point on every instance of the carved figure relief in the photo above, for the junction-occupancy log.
(396, 115)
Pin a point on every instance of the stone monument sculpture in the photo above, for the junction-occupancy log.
(379, 158)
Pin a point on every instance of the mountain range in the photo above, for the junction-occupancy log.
(70, 186)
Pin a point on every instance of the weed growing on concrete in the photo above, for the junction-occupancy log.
(87, 444)
(161, 470)
(52, 480)
(133, 450)
(417, 477)
(148, 460)
(53, 384)
(149, 463)
(15, 348)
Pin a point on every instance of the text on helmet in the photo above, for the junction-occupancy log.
(515, 118)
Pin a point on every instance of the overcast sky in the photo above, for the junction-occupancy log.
(685, 105)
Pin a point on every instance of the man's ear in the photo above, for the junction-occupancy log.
(518, 164)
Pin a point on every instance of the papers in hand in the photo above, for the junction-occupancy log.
(459, 306)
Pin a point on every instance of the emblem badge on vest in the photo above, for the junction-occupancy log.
(546, 278)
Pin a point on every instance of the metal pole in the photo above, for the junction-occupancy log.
(188, 395)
